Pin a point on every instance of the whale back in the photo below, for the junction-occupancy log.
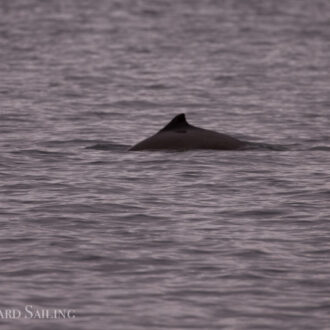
(178, 134)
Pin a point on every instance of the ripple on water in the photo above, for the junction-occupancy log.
(165, 240)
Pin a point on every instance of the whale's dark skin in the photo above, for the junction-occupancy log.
(179, 135)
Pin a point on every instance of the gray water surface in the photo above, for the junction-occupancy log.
(165, 240)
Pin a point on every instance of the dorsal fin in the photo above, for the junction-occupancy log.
(178, 122)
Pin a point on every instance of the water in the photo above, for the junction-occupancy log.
(183, 240)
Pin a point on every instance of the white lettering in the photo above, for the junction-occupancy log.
(35, 313)
(71, 314)
(28, 311)
(10, 313)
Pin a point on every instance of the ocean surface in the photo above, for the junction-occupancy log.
(125, 240)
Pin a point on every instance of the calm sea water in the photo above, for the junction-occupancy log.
(181, 240)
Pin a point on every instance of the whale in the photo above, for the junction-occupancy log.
(179, 135)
